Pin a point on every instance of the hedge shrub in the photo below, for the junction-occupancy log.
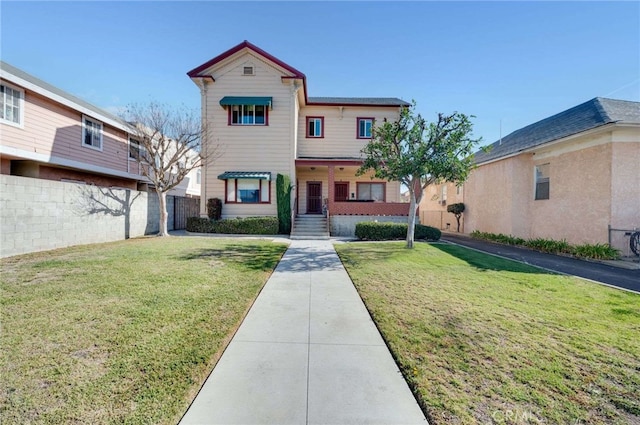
(551, 246)
(241, 226)
(283, 196)
(214, 208)
(374, 231)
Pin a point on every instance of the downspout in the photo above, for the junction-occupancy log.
(202, 84)
(294, 117)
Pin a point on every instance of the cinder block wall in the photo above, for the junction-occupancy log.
(37, 214)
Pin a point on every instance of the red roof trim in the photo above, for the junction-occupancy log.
(328, 162)
(245, 44)
(388, 105)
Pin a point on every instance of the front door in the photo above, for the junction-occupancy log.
(341, 191)
(314, 198)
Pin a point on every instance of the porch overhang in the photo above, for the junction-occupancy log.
(321, 161)
(260, 175)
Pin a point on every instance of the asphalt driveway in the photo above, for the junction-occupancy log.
(603, 273)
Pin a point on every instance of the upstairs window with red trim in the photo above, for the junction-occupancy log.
(315, 127)
(248, 115)
(365, 125)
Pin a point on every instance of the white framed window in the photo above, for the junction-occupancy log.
(199, 176)
(542, 182)
(370, 191)
(315, 127)
(364, 128)
(135, 150)
(248, 191)
(12, 102)
(443, 194)
(248, 115)
(91, 133)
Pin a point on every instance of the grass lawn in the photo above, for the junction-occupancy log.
(486, 340)
(122, 332)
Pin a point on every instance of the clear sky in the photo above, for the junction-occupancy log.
(508, 63)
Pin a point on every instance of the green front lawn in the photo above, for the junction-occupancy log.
(123, 332)
(486, 340)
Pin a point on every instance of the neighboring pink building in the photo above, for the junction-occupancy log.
(49, 134)
(572, 176)
(261, 117)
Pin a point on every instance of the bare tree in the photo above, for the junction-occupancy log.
(167, 144)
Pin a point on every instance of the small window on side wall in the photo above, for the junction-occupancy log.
(365, 125)
(12, 105)
(542, 181)
(315, 127)
(91, 133)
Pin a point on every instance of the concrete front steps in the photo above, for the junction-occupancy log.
(308, 227)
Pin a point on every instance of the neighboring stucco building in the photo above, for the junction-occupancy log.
(263, 123)
(570, 176)
(49, 134)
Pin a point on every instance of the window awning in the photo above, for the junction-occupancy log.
(262, 175)
(246, 100)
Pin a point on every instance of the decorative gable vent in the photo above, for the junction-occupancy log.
(247, 70)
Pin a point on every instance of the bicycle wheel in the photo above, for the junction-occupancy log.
(634, 243)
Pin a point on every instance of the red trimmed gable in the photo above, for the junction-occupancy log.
(195, 73)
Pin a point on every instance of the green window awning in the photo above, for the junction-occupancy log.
(246, 100)
(262, 175)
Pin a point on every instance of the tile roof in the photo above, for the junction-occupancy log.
(75, 101)
(594, 113)
(361, 101)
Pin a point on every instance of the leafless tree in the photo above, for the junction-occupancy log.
(167, 143)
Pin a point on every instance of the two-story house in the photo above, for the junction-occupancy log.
(262, 122)
(49, 134)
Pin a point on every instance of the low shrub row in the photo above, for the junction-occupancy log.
(242, 226)
(374, 231)
(594, 251)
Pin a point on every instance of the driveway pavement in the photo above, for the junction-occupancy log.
(603, 273)
(307, 353)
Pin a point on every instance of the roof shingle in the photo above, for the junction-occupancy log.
(589, 115)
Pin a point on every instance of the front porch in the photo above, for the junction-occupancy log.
(331, 188)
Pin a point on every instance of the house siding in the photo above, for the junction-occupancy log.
(340, 136)
(55, 130)
(249, 148)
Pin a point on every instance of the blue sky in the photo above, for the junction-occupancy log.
(508, 63)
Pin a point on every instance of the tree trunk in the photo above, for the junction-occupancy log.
(162, 198)
(458, 220)
(412, 219)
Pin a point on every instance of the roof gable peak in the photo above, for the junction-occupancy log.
(196, 72)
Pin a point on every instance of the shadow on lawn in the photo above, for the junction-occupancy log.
(376, 252)
(483, 261)
(255, 257)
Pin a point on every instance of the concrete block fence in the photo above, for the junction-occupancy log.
(38, 215)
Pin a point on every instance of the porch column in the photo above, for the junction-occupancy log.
(331, 188)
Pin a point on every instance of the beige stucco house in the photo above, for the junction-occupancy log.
(262, 122)
(47, 133)
(572, 176)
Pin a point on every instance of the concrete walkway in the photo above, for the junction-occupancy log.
(307, 353)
